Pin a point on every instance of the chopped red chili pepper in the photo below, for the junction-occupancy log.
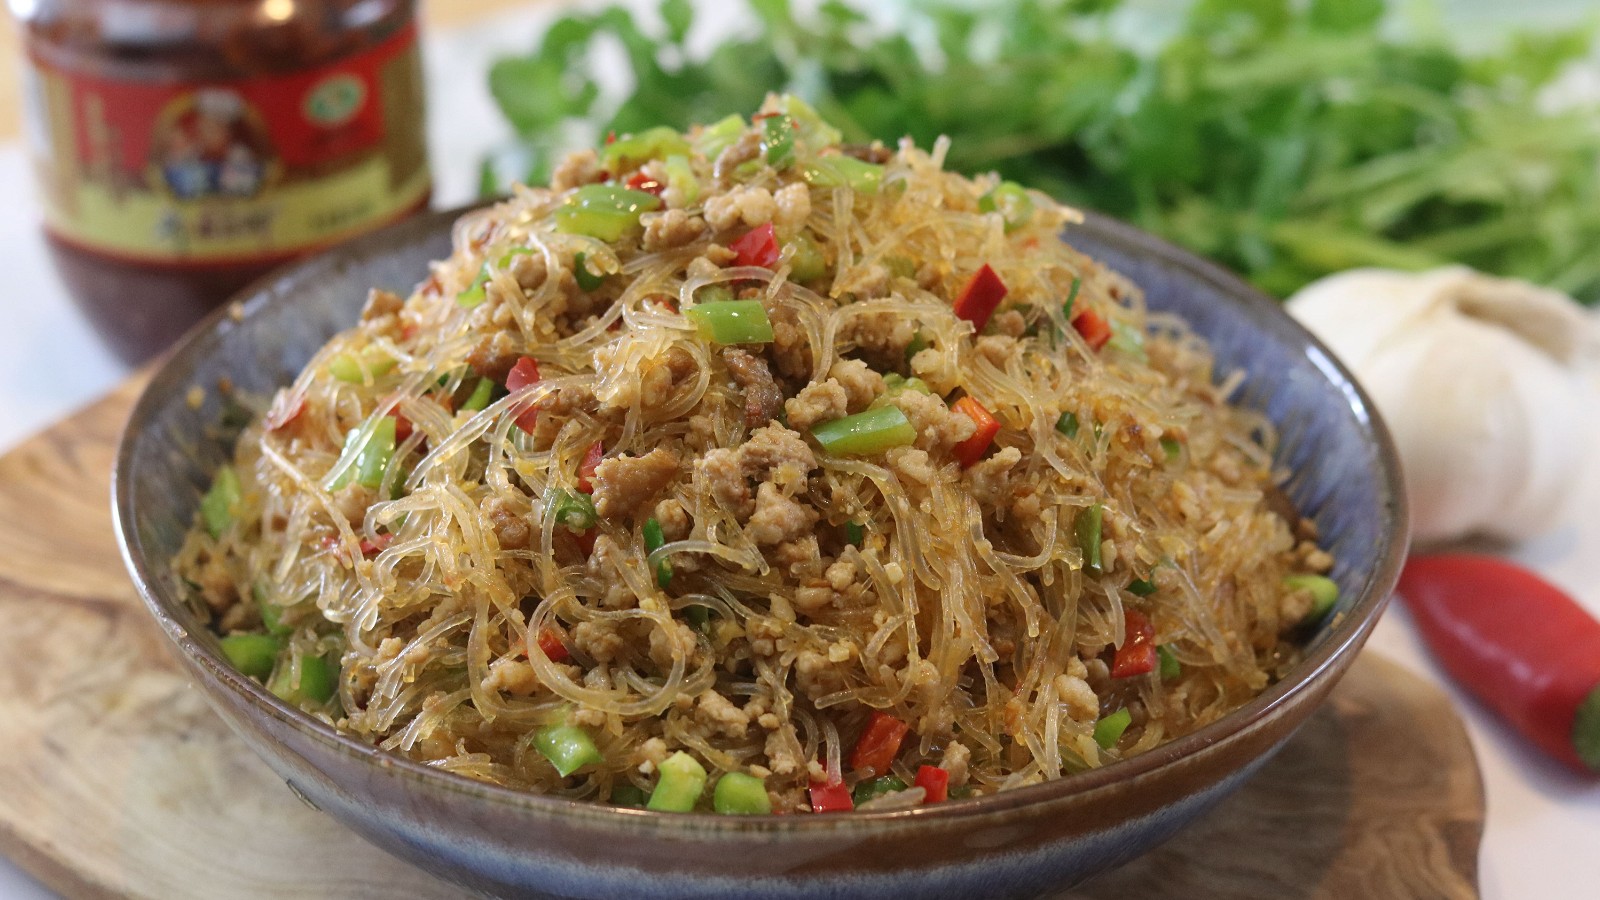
(1094, 328)
(879, 744)
(524, 373)
(591, 461)
(402, 427)
(552, 646)
(973, 448)
(374, 547)
(935, 781)
(830, 796)
(1137, 655)
(639, 181)
(758, 247)
(980, 297)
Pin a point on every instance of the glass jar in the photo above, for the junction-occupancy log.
(185, 147)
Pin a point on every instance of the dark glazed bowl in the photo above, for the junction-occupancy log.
(1023, 842)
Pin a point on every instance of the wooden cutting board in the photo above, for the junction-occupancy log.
(116, 780)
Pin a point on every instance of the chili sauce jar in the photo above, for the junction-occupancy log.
(185, 147)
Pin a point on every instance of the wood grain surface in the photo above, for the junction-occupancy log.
(118, 781)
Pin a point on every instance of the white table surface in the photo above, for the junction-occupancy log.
(1543, 836)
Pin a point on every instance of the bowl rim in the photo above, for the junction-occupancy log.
(172, 378)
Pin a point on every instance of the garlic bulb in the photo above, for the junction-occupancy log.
(1489, 386)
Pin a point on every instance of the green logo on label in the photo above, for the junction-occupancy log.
(336, 100)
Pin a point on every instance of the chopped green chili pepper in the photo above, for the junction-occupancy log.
(812, 129)
(354, 368)
(1068, 424)
(1109, 730)
(1170, 667)
(586, 279)
(636, 149)
(738, 794)
(715, 138)
(1324, 593)
(1127, 339)
(604, 211)
(568, 747)
(628, 794)
(1087, 530)
(252, 654)
(477, 291)
(681, 783)
(1172, 449)
(843, 171)
(1012, 203)
(376, 454)
(873, 788)
(1072, 296)
(655, 539)
(855, 534)
(680, 177)
(576, 511)
(218, 505)
(318, 682)
(731, 321)
(1142, 587)
(806, 262)
(873, 431)
(271, 613)
(894, 383)
(480, 396)
(364, 461)
(777, 141)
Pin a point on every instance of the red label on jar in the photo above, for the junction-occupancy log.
(239, 170)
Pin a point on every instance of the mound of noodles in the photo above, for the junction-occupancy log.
(575, 481)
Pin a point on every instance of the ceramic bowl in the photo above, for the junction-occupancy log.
(1344, 474)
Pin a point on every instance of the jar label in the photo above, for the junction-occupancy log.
(232, 171)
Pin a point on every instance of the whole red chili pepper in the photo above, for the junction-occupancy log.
(1520, 645)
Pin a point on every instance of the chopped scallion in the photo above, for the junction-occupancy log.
(1324, 593)
(568, 747)
(682, 781)
(873, 788)
(1169, 666)
(1087, 530)
(318, 681)
(252, 654)
(1072, 296)
(855, 534)
(1068, 424)
(586, 279)
(481, 395)
(1109, 730)
(574, 510)
(655, 539)
(1011, 202)
(738, 794)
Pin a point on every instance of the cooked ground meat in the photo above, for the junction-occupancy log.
(622, 484)
(763, 399)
